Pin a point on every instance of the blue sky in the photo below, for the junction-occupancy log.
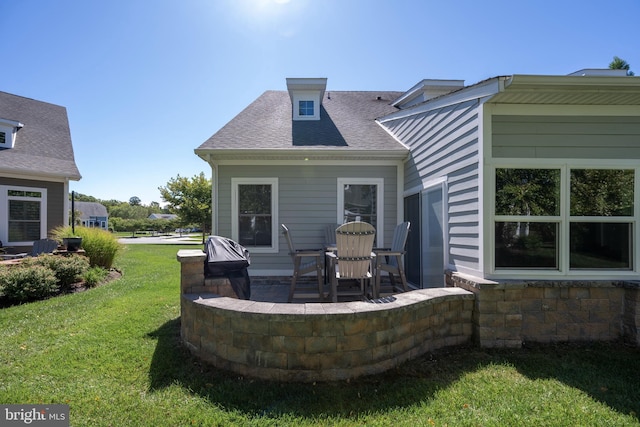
(145, 82)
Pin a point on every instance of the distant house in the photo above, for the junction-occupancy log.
(36, 165)
(92, 214)
(525, 177)
(168, 217)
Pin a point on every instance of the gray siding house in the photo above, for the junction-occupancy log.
(520, 177)
(36, 165)
(92, 214)
(305, 157)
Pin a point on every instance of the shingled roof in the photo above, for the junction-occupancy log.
(347, 124)
(43, 146)
(91, 209)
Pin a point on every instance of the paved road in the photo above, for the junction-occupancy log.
(161, 240)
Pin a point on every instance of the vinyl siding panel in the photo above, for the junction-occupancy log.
(557, 137)
(55, 198)
(444, 143)
(307, 203)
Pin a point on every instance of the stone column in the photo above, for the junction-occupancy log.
(191, 270)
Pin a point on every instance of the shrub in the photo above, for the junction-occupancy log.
(22, 284)
(94, 276)
(100, 246)
(68, 270)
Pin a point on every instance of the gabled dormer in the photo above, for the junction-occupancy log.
(306, 97)
(425, 90)
(8, 132)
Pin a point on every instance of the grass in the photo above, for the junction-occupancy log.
(113, 355)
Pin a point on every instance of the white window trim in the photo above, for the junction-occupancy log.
(379, 183)
(235, 227)
(4, 212)
(564, 220)
(312, 96)
(9, 128)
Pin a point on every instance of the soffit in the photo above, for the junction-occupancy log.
(569, 90)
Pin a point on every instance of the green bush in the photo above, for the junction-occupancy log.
(100, 246)
(68, 270)
(94, 275)
(22, 284)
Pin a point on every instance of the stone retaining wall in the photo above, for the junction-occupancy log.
(323, 341)
(334, 341)
(509, 313)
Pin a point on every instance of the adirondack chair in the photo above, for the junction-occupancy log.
(390, 260)
(330, 234)
(42, 246)
(300, 268)
(353, 257)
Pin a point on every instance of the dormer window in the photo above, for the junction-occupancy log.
(305, 108)
(8, 131)
(306, 97)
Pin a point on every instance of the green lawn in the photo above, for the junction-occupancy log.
(113, 354)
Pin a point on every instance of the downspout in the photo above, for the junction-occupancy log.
(214, 196)
(65, 203)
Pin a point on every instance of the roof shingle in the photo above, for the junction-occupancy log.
(43, 146)
(347, 121)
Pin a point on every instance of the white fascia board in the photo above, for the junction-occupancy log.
(525, 81)
(12, 123)
(419, 88)
(268, 156)
(19, 174)
(483, 89)
(318, 84)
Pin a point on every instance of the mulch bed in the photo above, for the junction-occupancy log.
(74, 288)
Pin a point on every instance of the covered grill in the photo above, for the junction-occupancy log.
(227, 258)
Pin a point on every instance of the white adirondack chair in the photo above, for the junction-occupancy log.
(353, 257)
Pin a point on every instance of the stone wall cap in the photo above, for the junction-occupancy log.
(379, 306)
(191, 255)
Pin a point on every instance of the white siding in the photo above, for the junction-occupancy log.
(444, 143)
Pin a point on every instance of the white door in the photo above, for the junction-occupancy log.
(432, 239)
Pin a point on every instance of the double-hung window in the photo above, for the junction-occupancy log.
(564, 218)
(254, 221)
(601, 219)
(527, 218)
(24, 214)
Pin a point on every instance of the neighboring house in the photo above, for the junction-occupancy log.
(168, 217)
(92, 214)
(36, 165)
(522, 176)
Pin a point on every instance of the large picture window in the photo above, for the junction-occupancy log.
(589, 225)
(254, 222)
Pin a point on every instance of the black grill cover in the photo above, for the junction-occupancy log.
(227, 258)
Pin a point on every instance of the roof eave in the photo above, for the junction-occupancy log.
(212, 155)
(590, 90)
(40, 176)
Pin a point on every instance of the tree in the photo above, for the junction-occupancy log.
(190, 199)
(620, 64)
(135, 201)
(127, 211)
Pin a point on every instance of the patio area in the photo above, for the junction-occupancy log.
(276, 289)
